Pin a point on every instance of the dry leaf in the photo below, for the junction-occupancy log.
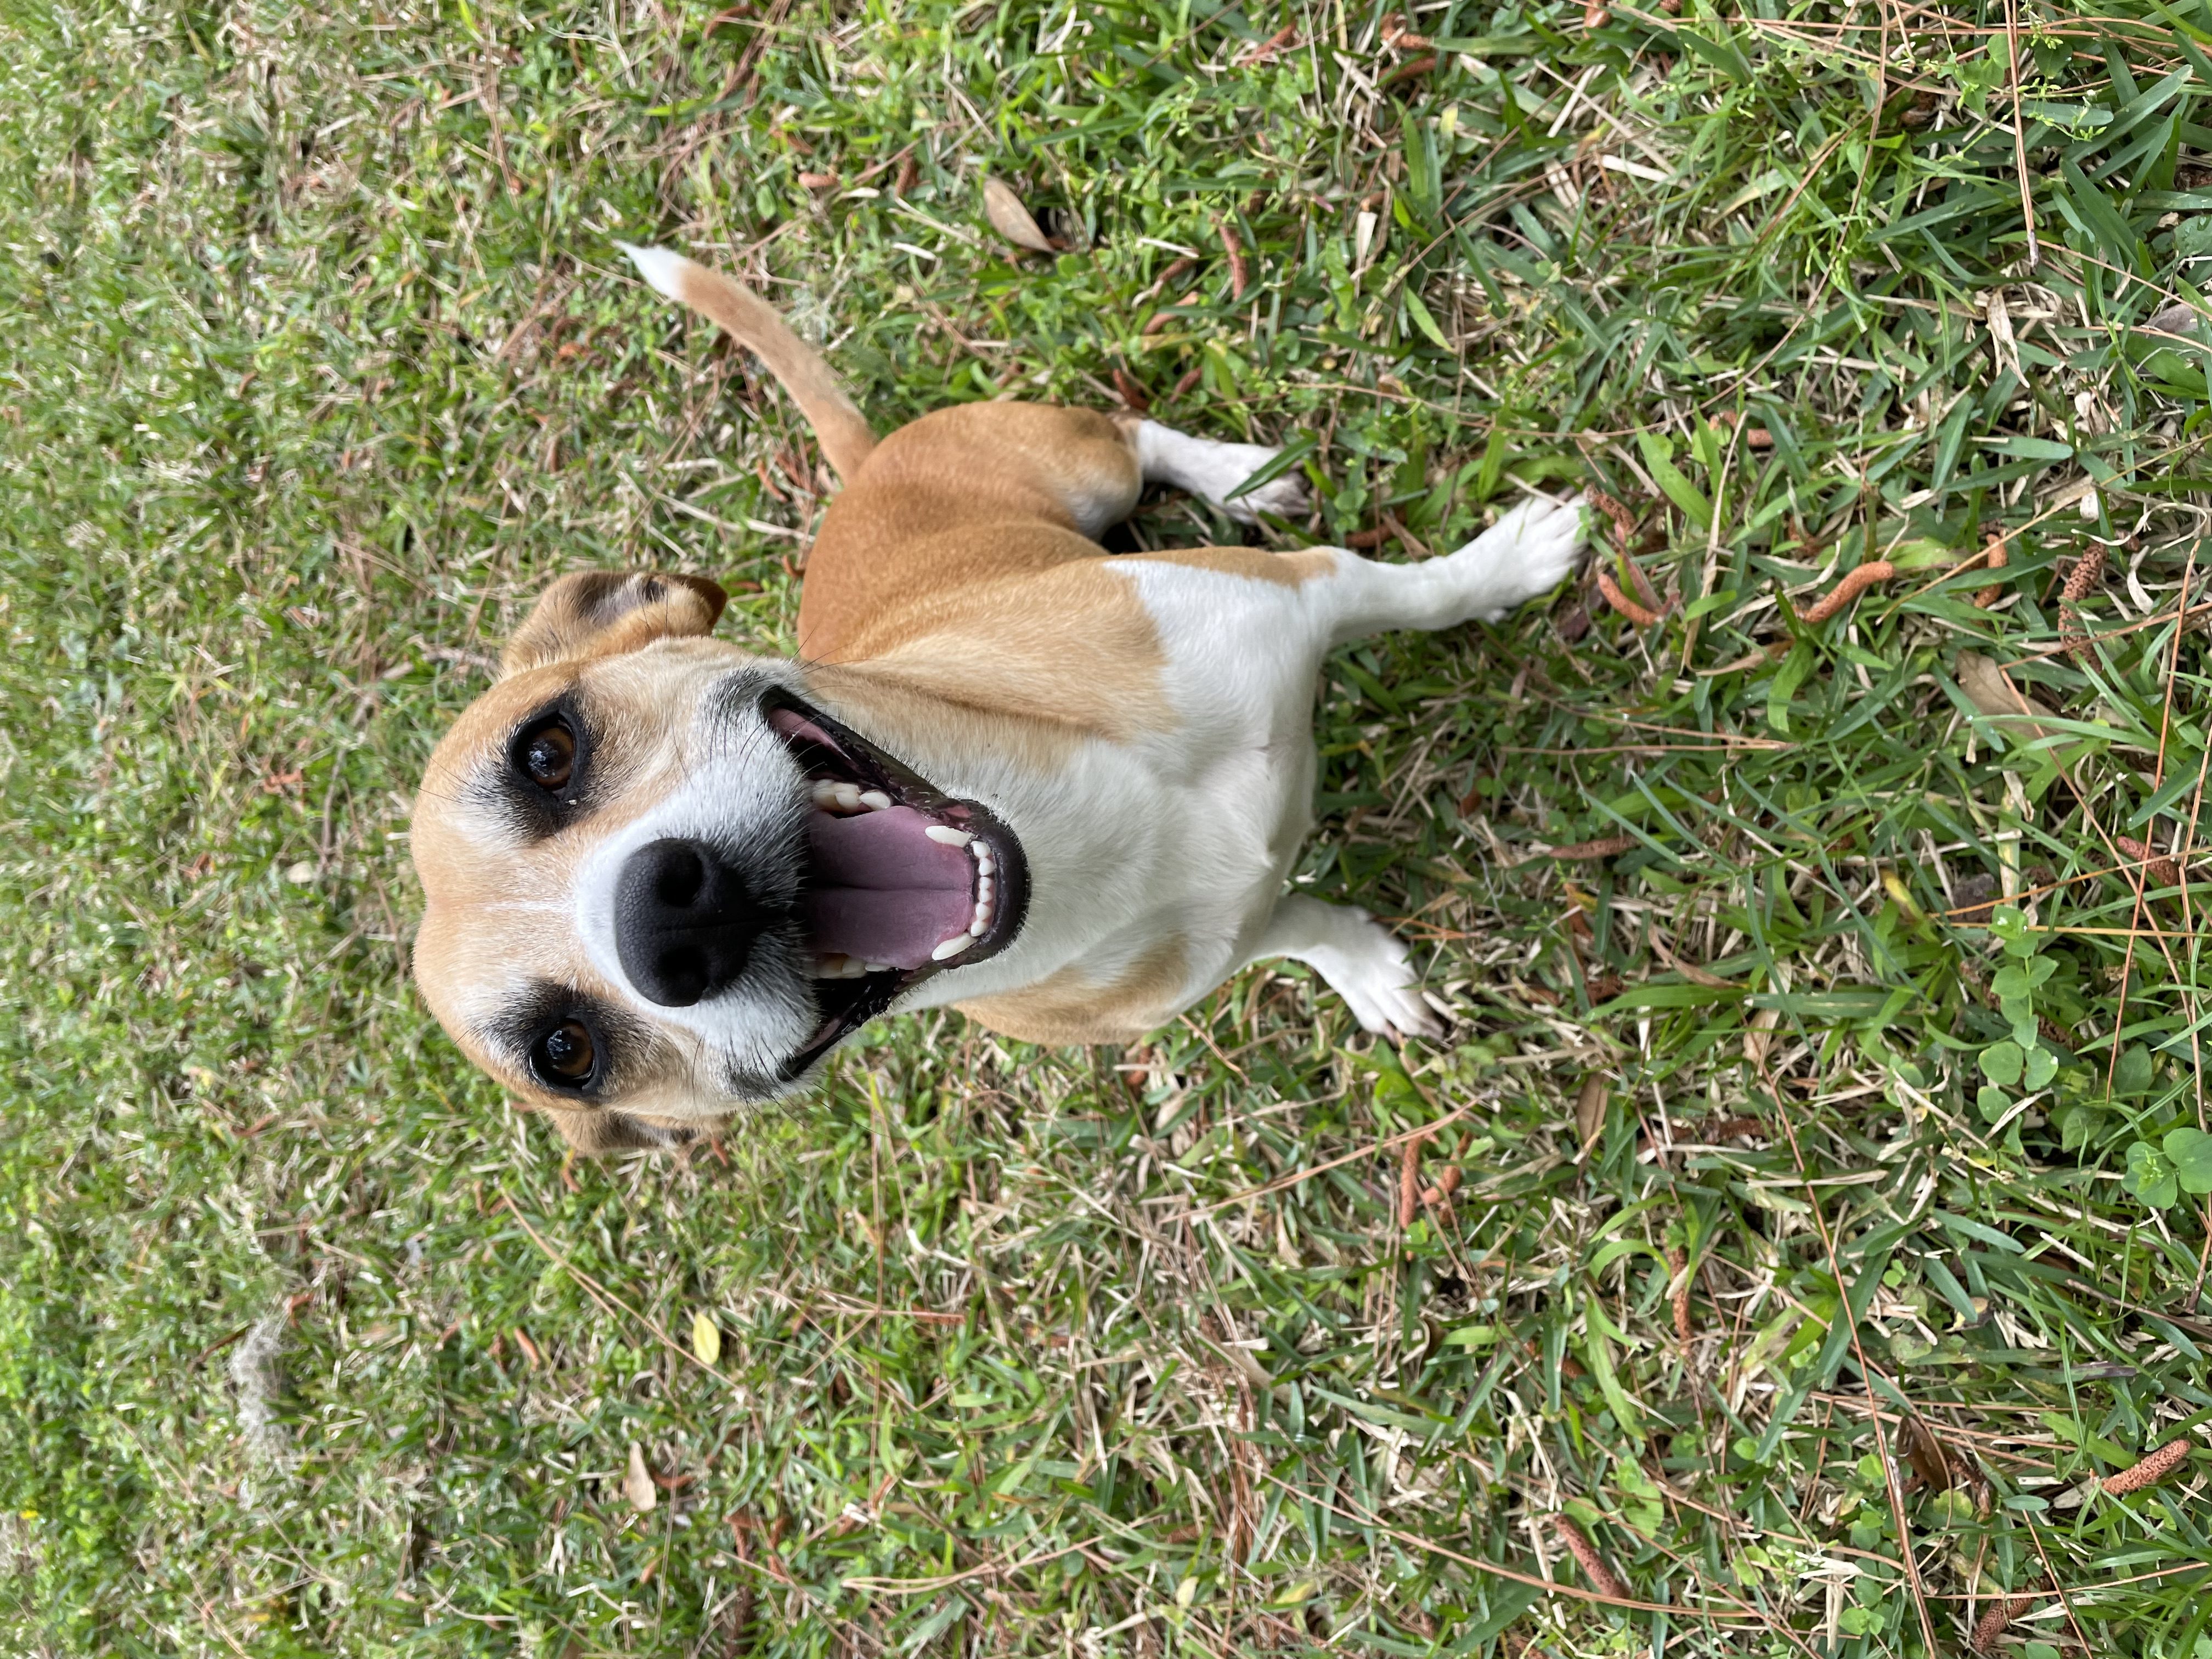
(1590, 1108)
(1926, 1455)
(705, 1338)
(1990, 690)
(2180, 318)
(1758, 1036)
(637, 1484)
(1010, 219)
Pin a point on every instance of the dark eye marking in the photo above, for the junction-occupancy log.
(548, 766)
(567, 1042)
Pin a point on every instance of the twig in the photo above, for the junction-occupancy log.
(1845, 1312)
(2018, 132)
(1735, 1610)
(1298, 1175)
(600, 1294)
(929, 1586)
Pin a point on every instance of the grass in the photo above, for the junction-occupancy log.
(1832, 1147)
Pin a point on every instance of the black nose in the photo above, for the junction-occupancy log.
(684, 922)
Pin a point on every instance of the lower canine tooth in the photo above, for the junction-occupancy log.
(948, 834)
(951, 947)
(875, 800)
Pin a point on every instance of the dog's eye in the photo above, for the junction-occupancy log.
(549, 755)
(567, 1053)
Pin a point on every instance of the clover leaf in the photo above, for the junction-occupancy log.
(2190, 1151)
(2150, 1176)
(2002, 1063)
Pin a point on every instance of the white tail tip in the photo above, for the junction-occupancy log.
(659, 266)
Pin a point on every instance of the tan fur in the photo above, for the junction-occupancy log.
(599, 613)
(975, 496)
(955, 596)
(841, 430)
(1071, 1007)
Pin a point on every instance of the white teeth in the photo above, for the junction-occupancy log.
(951, 947)
(984, 888)
(824, 792)
(875, 800)
(948, 834)
(848, 797)
(880, 968)
(837, 966)
(984, 863)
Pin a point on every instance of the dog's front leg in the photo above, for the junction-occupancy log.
(1531, 548)
(1209, 468)
(1362, 960)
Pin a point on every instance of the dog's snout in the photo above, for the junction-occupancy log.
(684, 922)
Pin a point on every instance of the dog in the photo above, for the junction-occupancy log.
(1059, 789)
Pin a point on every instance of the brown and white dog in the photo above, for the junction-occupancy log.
(1057, 788)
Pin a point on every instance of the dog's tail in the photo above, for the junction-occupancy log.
(842, 431)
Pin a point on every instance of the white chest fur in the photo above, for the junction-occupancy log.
(1185, 833)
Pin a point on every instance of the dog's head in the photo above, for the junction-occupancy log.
(662, 882)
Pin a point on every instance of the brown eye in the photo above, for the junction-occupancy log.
(567, 1053)
(549, 756)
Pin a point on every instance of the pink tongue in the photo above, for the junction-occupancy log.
(883, 891)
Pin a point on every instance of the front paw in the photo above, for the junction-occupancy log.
(1531, 549)
(1372, 971)
(1230, 464)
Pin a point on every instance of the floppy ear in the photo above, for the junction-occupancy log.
(596, 1135)
(604, 613)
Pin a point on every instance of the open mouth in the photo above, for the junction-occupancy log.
(902, 881)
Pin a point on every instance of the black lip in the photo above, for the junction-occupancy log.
(848, 1005)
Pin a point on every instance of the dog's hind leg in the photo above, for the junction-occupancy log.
(1213, 470)
(1362, 962)
(963, 498)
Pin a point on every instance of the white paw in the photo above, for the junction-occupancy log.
(1214, 471)
(1532, 548)
(1282, 498)
(1368, 967)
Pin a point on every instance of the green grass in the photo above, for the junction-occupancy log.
(318, 364)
